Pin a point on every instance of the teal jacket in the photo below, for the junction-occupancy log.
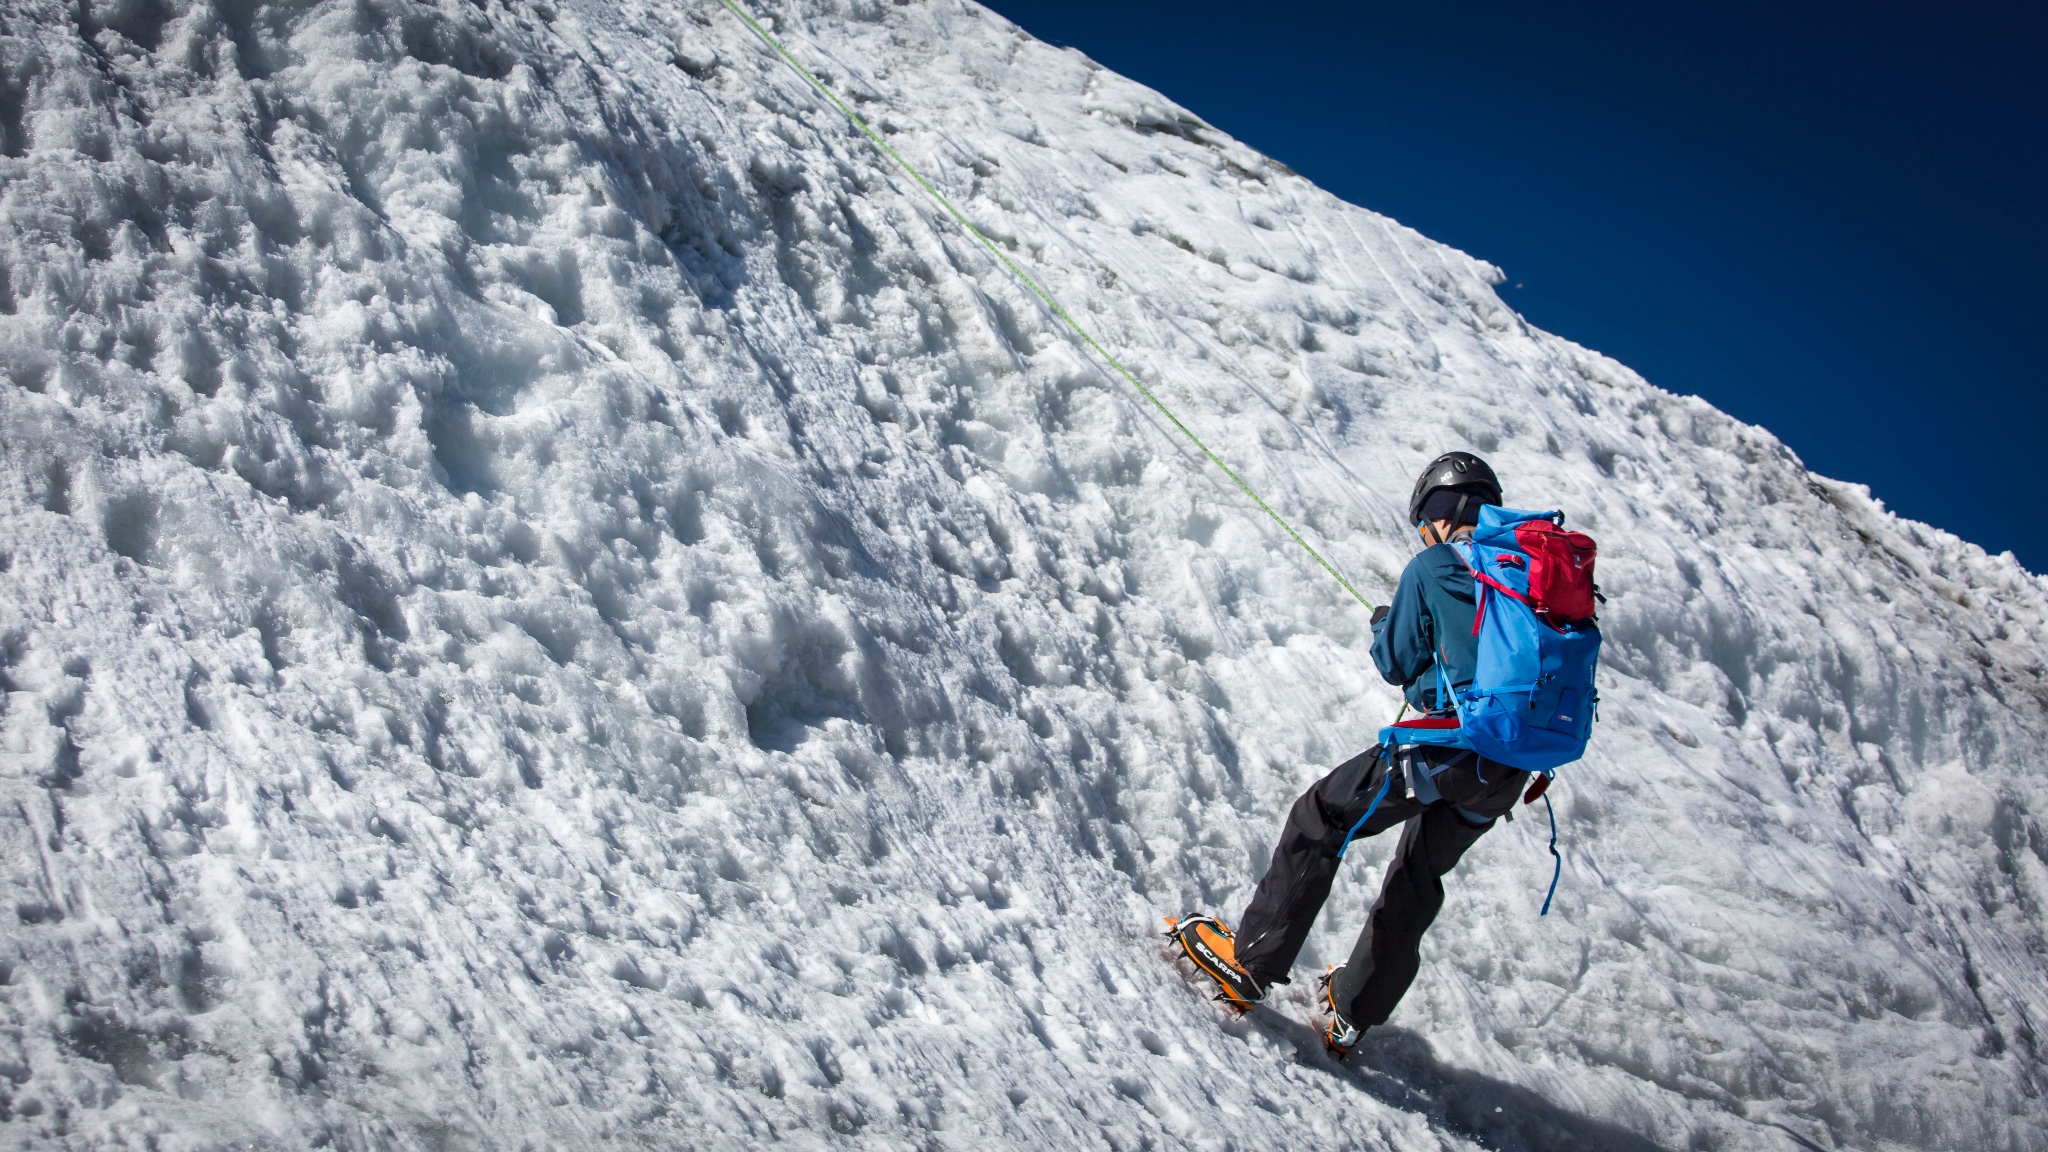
(1430, 619)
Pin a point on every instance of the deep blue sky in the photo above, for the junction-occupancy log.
(1828, 219)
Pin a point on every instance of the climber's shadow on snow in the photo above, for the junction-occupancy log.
(1401, 1069)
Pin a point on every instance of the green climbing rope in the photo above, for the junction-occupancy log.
(1041, 293)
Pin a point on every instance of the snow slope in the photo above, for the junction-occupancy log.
(548, 600)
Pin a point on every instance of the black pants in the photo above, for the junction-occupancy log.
(1472, 792)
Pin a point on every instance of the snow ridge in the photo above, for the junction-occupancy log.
(548, 600)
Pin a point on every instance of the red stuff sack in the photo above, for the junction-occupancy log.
(1560, 571)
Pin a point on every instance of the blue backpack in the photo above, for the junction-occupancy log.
(1531, 701)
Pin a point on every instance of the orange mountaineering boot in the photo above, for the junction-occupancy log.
(1207, 943)
(1340, 1036)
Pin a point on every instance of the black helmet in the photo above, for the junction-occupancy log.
(1459, 472)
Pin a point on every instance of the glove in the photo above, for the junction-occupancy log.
(1378, 614)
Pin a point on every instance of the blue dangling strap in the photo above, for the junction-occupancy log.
(1386, 778)
(1557, 870)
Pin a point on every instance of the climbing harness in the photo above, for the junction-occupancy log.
(1039, 291)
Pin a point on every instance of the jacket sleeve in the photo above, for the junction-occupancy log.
(1404, 644)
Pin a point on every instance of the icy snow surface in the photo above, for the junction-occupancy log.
(548, 599)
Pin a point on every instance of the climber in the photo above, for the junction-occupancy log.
(1443, 798)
